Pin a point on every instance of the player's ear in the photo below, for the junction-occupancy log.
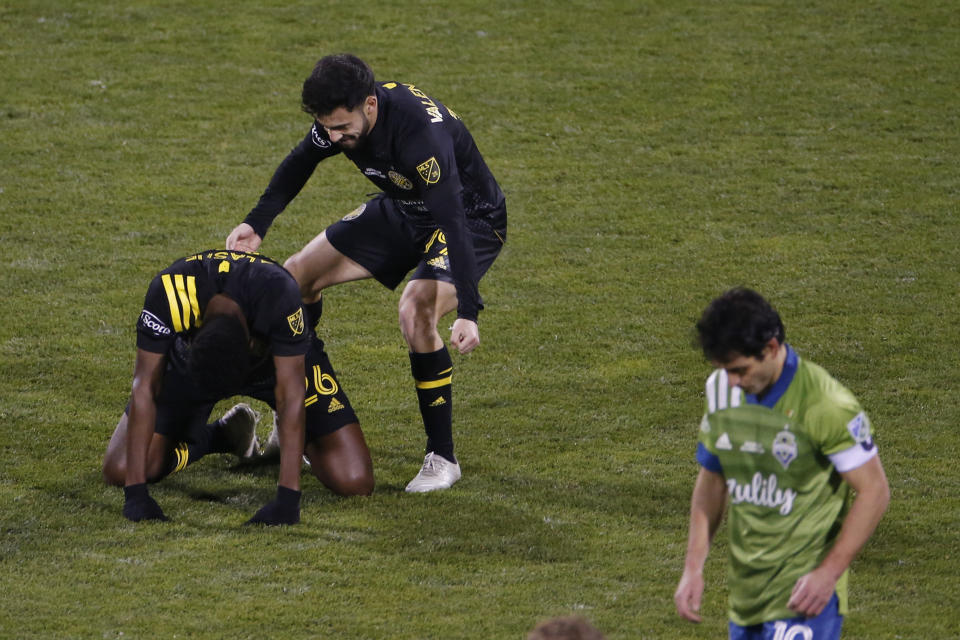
(772, 347)
(370, 105)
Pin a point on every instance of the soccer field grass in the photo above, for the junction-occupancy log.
(652, 153)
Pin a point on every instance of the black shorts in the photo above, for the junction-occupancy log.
(182, 408)
(389, 243)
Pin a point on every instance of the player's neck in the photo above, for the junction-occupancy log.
(780, 361)
(222, 304)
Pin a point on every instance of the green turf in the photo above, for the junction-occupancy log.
(652, 153)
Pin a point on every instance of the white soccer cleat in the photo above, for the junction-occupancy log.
(271, 448)
(436, 473)
(239, 426)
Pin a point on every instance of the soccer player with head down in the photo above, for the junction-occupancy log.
(222, 323)
(784, 445)
(441, 214)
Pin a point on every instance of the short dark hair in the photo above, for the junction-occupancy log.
(219, 358)
(741, 322)
(338, 80)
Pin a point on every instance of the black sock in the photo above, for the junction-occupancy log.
(208, 440)
(432, 373)
(312, 312)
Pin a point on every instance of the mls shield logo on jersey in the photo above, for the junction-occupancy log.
(785, 448)
(295, 320)
(429, 170)
(859, 428)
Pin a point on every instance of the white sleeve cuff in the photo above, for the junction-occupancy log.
(850, 459)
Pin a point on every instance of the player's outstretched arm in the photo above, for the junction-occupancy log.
(147, 379)
(813, 591)
(706, 512)
(243, 238)
(291, 415)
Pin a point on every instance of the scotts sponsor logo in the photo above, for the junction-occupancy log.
(370, 171)
(318, 139)
(152, 322)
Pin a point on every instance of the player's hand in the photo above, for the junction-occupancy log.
(464, 335)
(243, 238)
(284, 509)
(138, 505)
(688, 595)
(812, 592)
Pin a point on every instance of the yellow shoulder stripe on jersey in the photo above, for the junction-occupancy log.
(194, 303)
(172, 301)
(186, 293)
(188, 298)
(433, 384)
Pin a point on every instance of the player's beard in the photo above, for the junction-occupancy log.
(355, 141)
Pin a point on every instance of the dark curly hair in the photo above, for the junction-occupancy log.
(338, 80)
(219, 359)
(741, 322)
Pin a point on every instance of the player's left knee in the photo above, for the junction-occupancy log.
(114, 473)
(354, 483)
(416, 315)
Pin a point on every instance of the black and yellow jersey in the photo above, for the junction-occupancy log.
(420, 154)
(266, 292)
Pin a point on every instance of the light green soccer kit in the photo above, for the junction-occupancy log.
(781, 456)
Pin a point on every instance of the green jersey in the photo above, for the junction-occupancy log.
(781, 456)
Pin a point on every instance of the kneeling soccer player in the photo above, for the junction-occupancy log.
(222, 323)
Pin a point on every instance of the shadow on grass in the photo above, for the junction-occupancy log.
(540, 516)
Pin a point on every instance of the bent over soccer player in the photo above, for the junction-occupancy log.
(784, 444)
(222, 323)
(441, 214)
